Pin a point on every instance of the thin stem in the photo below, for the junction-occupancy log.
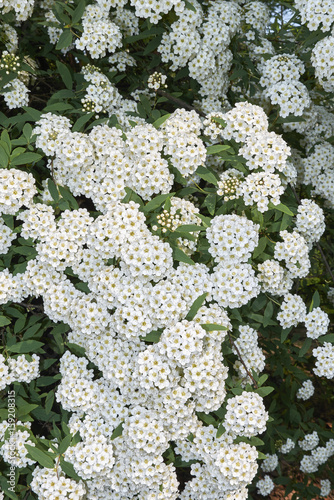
(242, 361)
(178, 101)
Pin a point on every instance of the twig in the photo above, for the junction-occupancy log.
(181, 103)
(325, 261)
(242, 361)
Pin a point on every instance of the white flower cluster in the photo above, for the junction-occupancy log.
(230, 184)
(6, 237)
(156, 81)
(9, 36)
(246, 346)
(257, 15)
(265, 486)
(13, 450)
(211, 127)
(99, 33)
(17, 189)
(232, 238)
(310, 441)
(101, 95)
(324, 365)
(22, 8)
(120, 60)
(245, 415)
(154, 9)
(319, 172)
(316, 13)
(270, 463)
(52, 484)
(234, 284)
(260, 188)
(294, 251)
(225, 468)
(310, 221)
(326, 487)
(280, 76)
(319, 454)
(306, 391)
(316, 322)
(17, 95)
(288, 446)
(18, 369)
(274, 278)
(323, 61)
(292, 311)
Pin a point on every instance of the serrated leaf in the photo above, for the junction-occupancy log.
(197, 304)
(65, 74)
(42, 457)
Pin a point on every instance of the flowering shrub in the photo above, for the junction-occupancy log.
(166, 201)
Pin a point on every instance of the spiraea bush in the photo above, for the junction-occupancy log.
(166, 230)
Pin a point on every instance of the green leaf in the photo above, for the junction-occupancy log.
(69, 470)
(79, 124)
(152, 337)
(33, 113)
(78, 12)
(268, 313)
(4, 321)
(25, 409)
(280, 207)
(65, 74)
(49, 400)
(210, 203)
(152, 45)
(261, 247)
(197, 304)
(53, 190)
(264, 391)
(42, 457)
(65, 443)
(26, 158)
(156, 202)
(180, 256)
(118, 431)
(188, 228)
(146, 104)
(189, 5)
(284, 334)
(208, 176)
(25, 346)
(76, 349)
(58, 106)
(315, 302)
(4, 158)
(161, 120)
(305, 347)
(326, 338)
(211, 327)
(68, 197)
(217, 148)
(65, 40)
